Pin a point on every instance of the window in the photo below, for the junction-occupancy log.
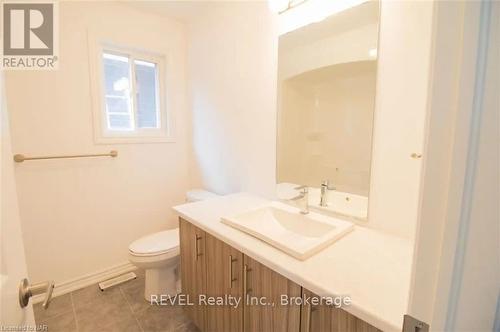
(132, 97)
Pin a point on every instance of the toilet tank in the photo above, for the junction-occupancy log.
(199, 195)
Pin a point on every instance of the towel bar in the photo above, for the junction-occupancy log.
(19, 158)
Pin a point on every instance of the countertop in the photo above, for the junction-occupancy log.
(372, 267)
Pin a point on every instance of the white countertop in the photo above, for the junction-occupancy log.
(371, 267)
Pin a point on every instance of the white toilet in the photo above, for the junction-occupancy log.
(158, 254)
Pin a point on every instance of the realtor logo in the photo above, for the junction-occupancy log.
(29, 35)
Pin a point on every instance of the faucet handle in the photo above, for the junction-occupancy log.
(327, 185)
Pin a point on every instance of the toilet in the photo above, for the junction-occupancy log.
(158, 254)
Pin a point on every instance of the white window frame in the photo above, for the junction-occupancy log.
(103, 135)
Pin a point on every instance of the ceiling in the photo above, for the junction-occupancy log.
(182, 10)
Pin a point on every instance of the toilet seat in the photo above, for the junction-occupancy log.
(165, 243)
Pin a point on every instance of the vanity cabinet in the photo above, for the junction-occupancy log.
(193, 269)
(211, 268)
(327, 318)
(263, 283)
(224, 277)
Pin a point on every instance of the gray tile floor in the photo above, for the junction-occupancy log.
(118, 309)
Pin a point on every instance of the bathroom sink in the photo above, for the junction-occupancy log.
(284, 227)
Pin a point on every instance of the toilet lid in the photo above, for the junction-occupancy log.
(155, 244)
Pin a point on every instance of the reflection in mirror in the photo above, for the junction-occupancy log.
(326, 101)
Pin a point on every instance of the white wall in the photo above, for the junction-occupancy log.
(80, 215)
(232, 71)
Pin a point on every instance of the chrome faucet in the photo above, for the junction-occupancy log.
(325, 187)
(302, 199)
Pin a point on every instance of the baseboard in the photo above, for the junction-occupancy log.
(87, 280)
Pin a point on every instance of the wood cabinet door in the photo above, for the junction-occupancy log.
(224, 281)
(325, 318)
(193, 270)
(261, 282)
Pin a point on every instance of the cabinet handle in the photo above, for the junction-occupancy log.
(231, 279)
(243, 320)
(196, 239)
(309, 316)
(246, 290)
(310, 310)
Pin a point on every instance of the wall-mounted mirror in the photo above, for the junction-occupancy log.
(326, 101)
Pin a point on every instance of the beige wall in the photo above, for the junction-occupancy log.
(80, 215)
(232, 71)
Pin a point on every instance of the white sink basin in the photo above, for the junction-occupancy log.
(282, 226)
